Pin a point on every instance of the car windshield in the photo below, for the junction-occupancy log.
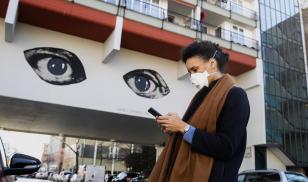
(295, 177)
(259, 177)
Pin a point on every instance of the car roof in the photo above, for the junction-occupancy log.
(269, 170)
(260, 171)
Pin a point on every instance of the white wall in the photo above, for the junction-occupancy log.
(104, 89)
(249, 159)
(273, 162)
(252, 82)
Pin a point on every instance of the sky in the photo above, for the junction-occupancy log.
(25, 143)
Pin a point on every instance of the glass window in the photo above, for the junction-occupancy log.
(263, 20)
(285, 88)
(268, 20)
(273, 17)
(294, 177)
(262, 177)
(241, 178)
(238, 35)
(273, 4)
(283, 5)
(292, 6)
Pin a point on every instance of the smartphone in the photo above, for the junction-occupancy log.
(154, 112)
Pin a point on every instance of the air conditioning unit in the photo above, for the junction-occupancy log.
(171, 18)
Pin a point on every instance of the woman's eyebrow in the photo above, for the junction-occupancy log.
(192, 68)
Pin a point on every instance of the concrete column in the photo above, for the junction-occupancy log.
(159, 149)
(95, 153)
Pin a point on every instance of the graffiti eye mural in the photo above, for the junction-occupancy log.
(146, 83)
(55, 66)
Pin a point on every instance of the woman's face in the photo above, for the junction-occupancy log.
(197, 64)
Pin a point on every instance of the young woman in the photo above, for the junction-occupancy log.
(209, 142)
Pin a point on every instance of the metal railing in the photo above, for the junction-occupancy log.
(239, 9)
(184, 21)
(140, 7)
(229, 35)
(146, 8)
(234, 8)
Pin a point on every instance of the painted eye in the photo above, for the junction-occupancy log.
(55, 66)
(146, 83)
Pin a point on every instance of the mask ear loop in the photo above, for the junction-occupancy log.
(214, 54)
(213, 58)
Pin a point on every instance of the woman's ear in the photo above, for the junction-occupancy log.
(213, 64)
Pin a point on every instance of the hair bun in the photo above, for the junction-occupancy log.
(225, 57)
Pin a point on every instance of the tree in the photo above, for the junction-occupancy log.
(76, 152)
(142, 162)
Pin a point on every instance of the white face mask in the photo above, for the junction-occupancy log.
(200, 79)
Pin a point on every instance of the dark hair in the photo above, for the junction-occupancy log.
(206, 50)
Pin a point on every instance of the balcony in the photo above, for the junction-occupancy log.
(187, 3)
(173, 21)
(219, 11)
(165, 32)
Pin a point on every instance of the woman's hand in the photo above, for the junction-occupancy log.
(171, 123)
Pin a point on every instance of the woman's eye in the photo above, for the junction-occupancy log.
(55, 66)
(146, 83)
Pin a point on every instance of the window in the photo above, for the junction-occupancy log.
(262, 177)
(237, 6)
(238, 35)
(260, 157)
(294, 177)
(149, 7)
(241, 178)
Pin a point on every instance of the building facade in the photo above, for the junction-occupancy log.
(285, 82)
(112, 155)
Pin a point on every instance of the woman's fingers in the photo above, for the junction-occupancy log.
(171, 114)
(163, 117)
(162, 122)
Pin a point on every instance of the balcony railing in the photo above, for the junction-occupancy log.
(140, 7)
(182, 20)
(164, 15)
(194, 24)
(235, 8)
(233, 37)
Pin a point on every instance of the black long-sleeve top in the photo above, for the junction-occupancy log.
(227, 146)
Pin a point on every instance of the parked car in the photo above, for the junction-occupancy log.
(67, 177)
(90, 173)
(20, 164)
(271, 175)
(50, 174)
(55, 177)
(41, 175)
(62, 176)
(73, 178)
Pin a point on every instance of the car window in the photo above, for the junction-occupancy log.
(241, 178)
(294, 177)
(3, 156)
(261, 177)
